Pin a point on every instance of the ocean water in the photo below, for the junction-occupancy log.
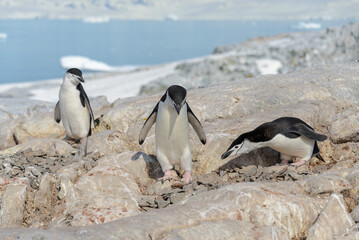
(30, 50)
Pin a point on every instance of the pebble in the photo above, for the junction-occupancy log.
(249, 170)
(161, 203)
(177, 197)
(34, 164)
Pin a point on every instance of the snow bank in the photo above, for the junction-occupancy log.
(88, 64)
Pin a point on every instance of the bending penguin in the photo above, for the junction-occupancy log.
(74, 108)
(172, 115)
(291, 137)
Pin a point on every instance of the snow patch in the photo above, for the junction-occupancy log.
(268, 66)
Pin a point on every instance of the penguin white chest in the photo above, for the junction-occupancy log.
(301, 147)
(172, 133)
(75, 117)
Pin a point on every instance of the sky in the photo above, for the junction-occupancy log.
(181, 9)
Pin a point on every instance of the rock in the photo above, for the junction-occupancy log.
(13, 205)
(268, 204)
(345, 126)
(333, 220)
(160, 188)
(104, 194)
(41, 125)
(355, 214)
(179, 196)
(17, 107)
(99, 105)
(228, 229)
(352, 234)
(161, 203)
(43, 196)
(7, 129)
(249, 170)
(45, 145)
(325, 183)
(66, 178)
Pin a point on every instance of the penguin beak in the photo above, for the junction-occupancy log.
(81, 79)
(178, 107)
(226, 154)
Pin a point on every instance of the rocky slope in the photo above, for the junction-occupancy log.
(279, 54)
(48, 192)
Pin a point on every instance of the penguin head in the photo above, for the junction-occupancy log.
(74, 75)
(240, 146)
(177, 96)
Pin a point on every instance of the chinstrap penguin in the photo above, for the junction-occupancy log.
(74, 108)
(172, 115)
(291, 137)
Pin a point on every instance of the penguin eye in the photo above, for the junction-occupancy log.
(236, 147)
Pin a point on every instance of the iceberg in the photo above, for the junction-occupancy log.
(307, 25)
(3, 35)
(170, 17)
(96, 20)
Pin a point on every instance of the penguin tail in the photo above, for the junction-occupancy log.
(319, 157)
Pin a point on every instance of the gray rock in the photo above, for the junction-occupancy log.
(13, 205)
(249, 170)
(333, 220)
(44, 145)
(161, 203)
(345, 126)
(43, 196)
(228, 229)
(355, 214)
(179, 196)
(325, 183)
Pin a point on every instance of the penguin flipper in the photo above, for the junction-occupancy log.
(57, 114)
(148, 124)
(197, 126)
(302, 129)
(86, 103)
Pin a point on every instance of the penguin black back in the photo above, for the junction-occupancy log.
(269, 130)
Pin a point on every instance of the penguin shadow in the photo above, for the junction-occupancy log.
(264, 157)
(153, 166)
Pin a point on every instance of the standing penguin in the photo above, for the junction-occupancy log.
(172, 115)
(74, 108)
(291, 137)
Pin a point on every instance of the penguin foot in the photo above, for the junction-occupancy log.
(299, 163)
(284, 162)
(187, 178)
(166, 176)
